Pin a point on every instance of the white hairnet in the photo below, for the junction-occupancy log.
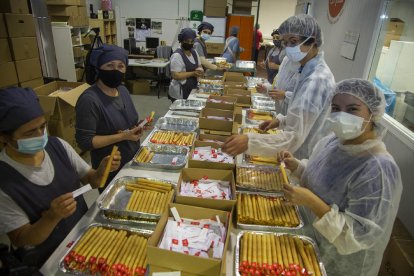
(366, 92)
(302, 25)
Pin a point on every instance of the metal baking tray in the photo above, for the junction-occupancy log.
(260, 227)
(187, 105)
(245, 64)
(176, 124)
(186, 132)
(255, 122)
(253, 188)
(185, 113)
(141, 232)
(116, 197)
(304, 238)
(163, 157)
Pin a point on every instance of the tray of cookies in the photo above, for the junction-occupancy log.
(176, 124)
(258, 178)
(167, 157)
(255, 116)
(173, 138)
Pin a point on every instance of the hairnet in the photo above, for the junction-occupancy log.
(366, 92)
(186, 33)
(302, 25)
(107, 53)
(234, 30)
(17, 107)
(205, 26)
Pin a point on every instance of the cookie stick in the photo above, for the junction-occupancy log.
(311, 254)
(300, 248)
(284, 251)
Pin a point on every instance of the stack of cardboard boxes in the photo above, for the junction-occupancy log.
(71, 11)
(395, 29)
(19, 54)
(215, 8)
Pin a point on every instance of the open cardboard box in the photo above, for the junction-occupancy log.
(238, 114)
(175, 261)
(234, 131)
(213, 124)
(234, 77)
(190, 174)
(244, 97)
(212, 137)
(206, 164)
(224, 106)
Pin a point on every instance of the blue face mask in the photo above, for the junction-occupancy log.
(32, 145)
(205, 36)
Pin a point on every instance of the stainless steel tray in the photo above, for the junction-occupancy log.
(254, 121)
(259, 227)
(176, 124)
(186, 132)
(164, 154)
(115, 199)
(187, 105)
(277, 188)
(142, 232)
(303, 238)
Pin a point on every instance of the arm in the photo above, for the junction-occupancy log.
(273, 65)
(183, 75)
(207, 64)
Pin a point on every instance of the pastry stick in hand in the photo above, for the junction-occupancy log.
(108, 167)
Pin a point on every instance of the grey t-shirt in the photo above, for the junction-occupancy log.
(12, 216)
(199, 49)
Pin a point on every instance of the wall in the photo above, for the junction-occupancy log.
(404, 10)
(358, 17)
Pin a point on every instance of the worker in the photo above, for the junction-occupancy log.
(205, 30)
(303, 125)
(258, 41)
(38, 175)
(105, 113)
(232, 47)
(351, 184)
(185, 66)
(274, 57)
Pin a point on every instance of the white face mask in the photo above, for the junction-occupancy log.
(205, 36)
(295, 54)
(346, 126)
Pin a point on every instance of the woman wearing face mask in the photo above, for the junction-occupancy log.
(232, 47)
(105, 113)
(274, 57)
(351, 184)
(185, 66)
(38, 175)
(303, 124)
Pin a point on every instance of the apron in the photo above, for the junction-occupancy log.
(191, 82)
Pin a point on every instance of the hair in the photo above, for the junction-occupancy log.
(276, 31)
(308, 42)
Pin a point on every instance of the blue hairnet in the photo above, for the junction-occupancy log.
(234, 30)
(302, 25)
(107, 53)
(205, 26)
(186, 33)
(366, 92)
(17, 107)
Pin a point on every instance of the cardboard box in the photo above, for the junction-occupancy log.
(139, 86)
(63, 10)
(62, 2)
(81, 2)
(79, 74)
(175, 261)
(28, 69)
(215, 48)
(5, 55)
(398, 258)
(3, 29)
(220, 138)
(224, 106)
(206, 164)
(234, 77)
(215, 3)
(238, 114)
(82, 12)
(389, 37)
(70, 20)
(243, 96)
(77, 52)
(24, 48)
(76, 40)
(14, 6)
(32, 83)
(63, 97)
(19, 25)
(395, 26)
(235, 130)
(190, 174)
(215, 11)
(8, 75)
(212, 124)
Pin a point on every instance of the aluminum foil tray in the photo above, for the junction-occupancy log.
(208, 86)
(131, 230)
(115, 199)
(187, 105)
(247, 64)
(185, 114)
(258, 179)
(259, 160)
(255, 121)
(253, 81)
(264, 105)
(163, 157)
(303, 238)
(261, 227)
(208, 92)
(261, 97)
(152, 134)
(176, 124)
(217, 81)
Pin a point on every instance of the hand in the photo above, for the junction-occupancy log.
(277, 94)
(261, 88)
(61, 207)
(116, 163)
(236, 144)
(133, 134)
(298, 195)
(270, 124)
(291, 162)
(198, 73)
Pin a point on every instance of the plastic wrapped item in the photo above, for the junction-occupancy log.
(211, 154)
(207, 188)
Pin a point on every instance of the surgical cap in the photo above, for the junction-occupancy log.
(107, 53)
(366, 92)
(205, 26)
(186, 33)
(17, 107)
(302, 25)
(234, 30)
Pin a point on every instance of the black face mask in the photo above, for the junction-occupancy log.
(111, 78)
(187, 46)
